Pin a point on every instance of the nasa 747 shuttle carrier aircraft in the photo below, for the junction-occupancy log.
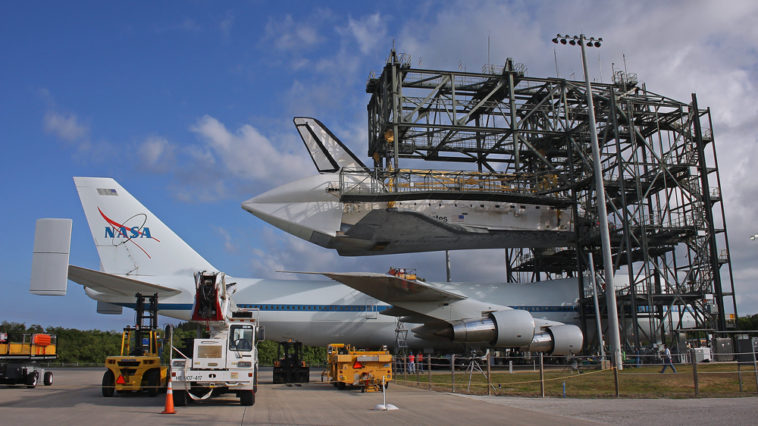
(139, 253)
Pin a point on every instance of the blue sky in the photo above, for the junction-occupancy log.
(189, 106)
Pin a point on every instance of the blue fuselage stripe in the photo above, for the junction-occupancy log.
(275, 307)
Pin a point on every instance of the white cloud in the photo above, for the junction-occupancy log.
(65, 126)
(286, 34)
(248, 155)
(368, 31)
(156, 154)
(229, 245)
(227, 24)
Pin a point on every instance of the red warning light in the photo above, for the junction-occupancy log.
(120, 380)
(357, 365)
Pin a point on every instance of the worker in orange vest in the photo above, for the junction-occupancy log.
(420, 361)
(411, 363)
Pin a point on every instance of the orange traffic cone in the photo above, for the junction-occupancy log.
(169, 399)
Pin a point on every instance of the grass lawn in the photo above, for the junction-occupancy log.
(715, 380)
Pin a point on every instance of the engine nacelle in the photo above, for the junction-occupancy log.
(558, 340)
(513, 328)
(567, 339)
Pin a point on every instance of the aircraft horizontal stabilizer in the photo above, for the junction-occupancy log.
(115, 284)
(52, 243)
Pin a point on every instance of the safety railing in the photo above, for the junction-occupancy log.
(359, 182)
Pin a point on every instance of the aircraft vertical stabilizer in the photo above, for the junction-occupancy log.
(329, 154)
(130, 239)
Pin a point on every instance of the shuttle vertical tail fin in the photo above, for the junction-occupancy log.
(329, 154)
(130, 240)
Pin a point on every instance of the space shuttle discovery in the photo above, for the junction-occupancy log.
(352, 209)
(140, 254)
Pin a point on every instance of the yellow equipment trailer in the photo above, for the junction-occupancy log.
(351, 367)
(18, 359)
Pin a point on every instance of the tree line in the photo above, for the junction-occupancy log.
(93, 346)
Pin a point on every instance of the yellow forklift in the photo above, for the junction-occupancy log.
(138, 367)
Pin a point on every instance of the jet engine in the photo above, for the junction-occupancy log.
(558, 340)
(515, 329)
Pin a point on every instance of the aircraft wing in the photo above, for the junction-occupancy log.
(391, 289)
(407, 315)
(116, 284)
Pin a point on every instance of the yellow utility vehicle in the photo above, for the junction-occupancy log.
(351, 367)
(18, 359)
(138, 367)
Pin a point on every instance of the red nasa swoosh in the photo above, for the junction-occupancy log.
(119, 226)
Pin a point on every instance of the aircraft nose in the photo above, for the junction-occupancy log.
(251, 205)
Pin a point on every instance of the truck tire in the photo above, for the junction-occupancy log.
(247, 397)
(31, 379)
(180, 398)
(152, 380)
(47, 379)
(109, 384)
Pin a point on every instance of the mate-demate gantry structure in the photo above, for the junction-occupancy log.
(660, 171)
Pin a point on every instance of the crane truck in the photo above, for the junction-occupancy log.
(225, 361)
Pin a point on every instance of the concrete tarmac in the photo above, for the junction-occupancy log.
(75, 399)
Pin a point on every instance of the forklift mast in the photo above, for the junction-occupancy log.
(145, 325)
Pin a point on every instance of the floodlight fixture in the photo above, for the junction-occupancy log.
(581, 40)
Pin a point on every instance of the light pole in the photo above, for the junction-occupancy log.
(602, 212)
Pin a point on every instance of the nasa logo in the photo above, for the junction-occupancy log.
(124, 232)
(118, 231)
